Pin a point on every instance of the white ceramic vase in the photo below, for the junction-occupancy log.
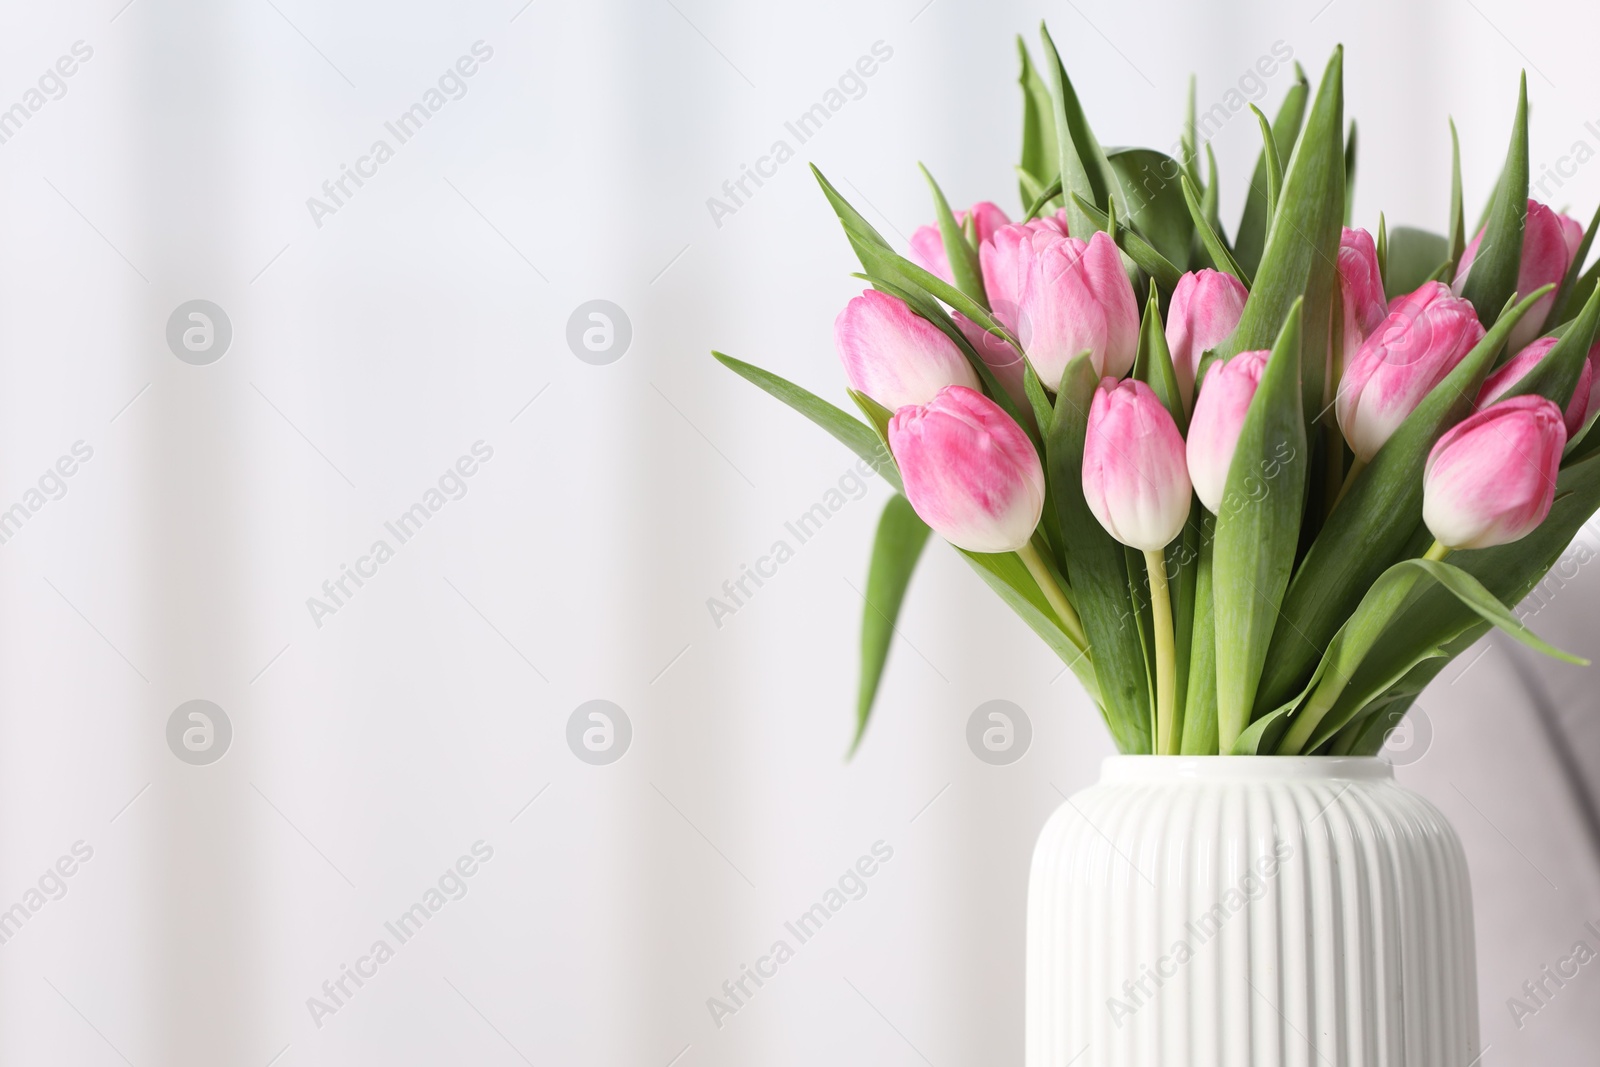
(1250, 912)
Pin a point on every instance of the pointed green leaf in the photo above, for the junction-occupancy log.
(1189, 141)
(896, 548)
(861, 440)
(1252, 235)
(1041, 160)
(963, 257)
(1153, 363)
(1269, 155)
(1458, 221)
(1302, 251)
(1210, 239)
(1257, 531)
(1096, 567)
(1350, 174)
(1558, 311)
(1084, 168)
(1493, 277)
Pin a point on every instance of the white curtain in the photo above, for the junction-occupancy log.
(397, 508)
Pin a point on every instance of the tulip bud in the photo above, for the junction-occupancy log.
(1206, 307)
(927, 244)
(1491, 479)
(1134, 475)
(1077, 297)
(1219, 414)
(894, 355)
(1548, 244)
(969, 471)
(1005, 258)
(1423, 338)
(1503, 379)
(1360, 289)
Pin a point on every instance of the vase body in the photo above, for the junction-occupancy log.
(1249, 912)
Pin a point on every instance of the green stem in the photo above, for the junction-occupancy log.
(1332, 687)
(1052, 592)
(1166, 744)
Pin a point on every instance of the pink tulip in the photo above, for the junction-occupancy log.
(927, 244)
(1360, 289)
(1423, 338)
(969, 471)
(1492, 478)
(1005, 258)
(1219, 414)
(894, 355)
(1548, 245)
(1134, 475)
(1205, 309)
(1077, 297)
(1503, 379)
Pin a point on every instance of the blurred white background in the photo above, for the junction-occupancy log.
(374, 345)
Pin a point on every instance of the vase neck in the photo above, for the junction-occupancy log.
(1244, 768)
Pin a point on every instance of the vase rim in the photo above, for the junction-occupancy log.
(1244, 768)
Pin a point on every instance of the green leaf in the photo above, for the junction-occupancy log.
(1493, 277)
(853, 435)
(1041, 160)
(896, 548)
(1414, 256)
(1083, 165)
(1200, 699)
(1157, 209)
(1096, 567)
(1458, 223)
(1257, 531)
(963, 257)
(1153, 363)
(1558, 311)
(1212, 241)
(1269, 153)
(1261, 737)
(1350, 174)
(1373, 525)
(1189, 140)
(1382, 248)
(1143, 254)
(1302, 251)
(1252, 235)
(1367, 626)
(1555, 377)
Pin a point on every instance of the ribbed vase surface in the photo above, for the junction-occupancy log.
(1240, 911)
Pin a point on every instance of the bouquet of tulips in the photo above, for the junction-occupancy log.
(1254, 491)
